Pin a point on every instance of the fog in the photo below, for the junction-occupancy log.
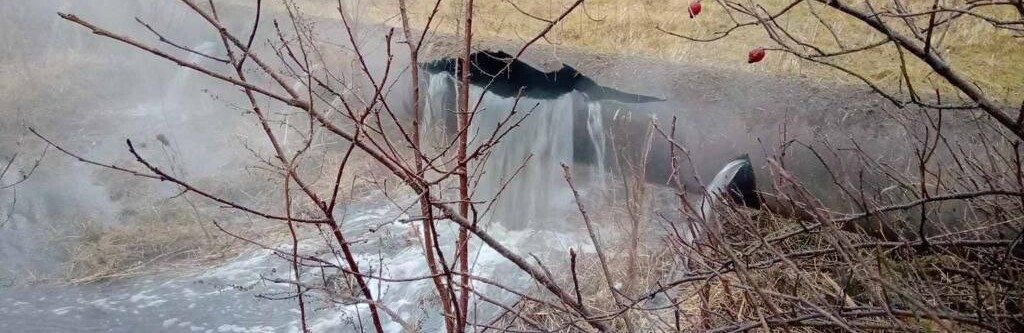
(89, 94)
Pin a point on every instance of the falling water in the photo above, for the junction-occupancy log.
(718, 185)
(523, 170)
(525, 167)
(439, 106)
(598, 137)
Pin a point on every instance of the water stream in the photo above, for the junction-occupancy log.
(235, 297)
(529, 139)
(191, 126)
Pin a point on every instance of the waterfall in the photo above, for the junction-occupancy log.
(543, 141)
(438, 108)
(598, 138)
(524, 169)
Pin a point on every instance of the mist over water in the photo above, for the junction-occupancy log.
(90, 94)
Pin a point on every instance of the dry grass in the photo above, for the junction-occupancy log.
(176, 235)
(157, 242)
(995, 60)
(719, 295)
(733, 298)
(41, 82)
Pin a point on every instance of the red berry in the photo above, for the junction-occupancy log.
(755, 55)
(694, 8)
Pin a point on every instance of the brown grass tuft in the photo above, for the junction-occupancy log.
(152, 243)
(733, 299)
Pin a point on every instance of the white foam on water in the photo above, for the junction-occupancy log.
(63, 310)
(245, 267)
(240, 329)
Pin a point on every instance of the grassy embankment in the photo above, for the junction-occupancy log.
(994, 60)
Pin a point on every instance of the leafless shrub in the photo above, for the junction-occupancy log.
(797, 265)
